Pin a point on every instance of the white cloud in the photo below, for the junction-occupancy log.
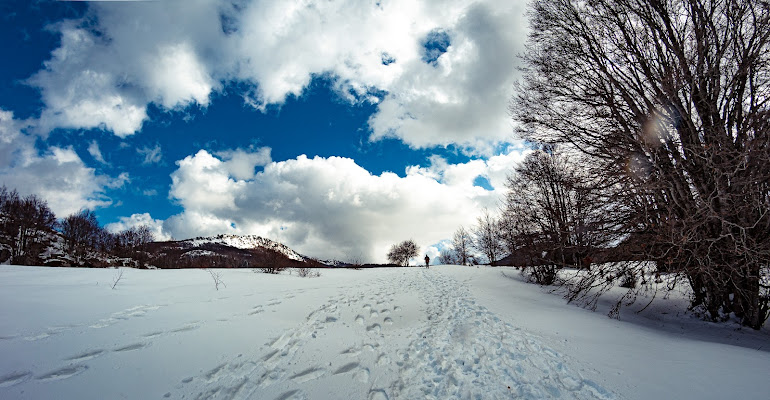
(57, 174)
(139, 56)
(137, 220)
(176, 56)
(331, 207)
(152, 155)
(95, 152)
(241, 163)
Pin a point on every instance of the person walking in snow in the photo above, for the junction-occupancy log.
(427, 261)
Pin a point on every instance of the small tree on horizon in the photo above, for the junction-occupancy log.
(402, 252)
(486, 237)
(462, 243)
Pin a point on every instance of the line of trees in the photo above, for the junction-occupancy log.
(663, 110)
(650, 124)
(28, 229)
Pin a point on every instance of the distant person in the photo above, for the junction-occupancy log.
(427, 261)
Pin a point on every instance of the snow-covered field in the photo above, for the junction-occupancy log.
(406, 333)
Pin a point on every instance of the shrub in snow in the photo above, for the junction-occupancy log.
(118, 276)
(273, 269)
(305, 272)
(541, 274)
(217, 277)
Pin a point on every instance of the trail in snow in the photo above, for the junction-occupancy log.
(420, 335)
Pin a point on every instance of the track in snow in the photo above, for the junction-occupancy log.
(418, 336)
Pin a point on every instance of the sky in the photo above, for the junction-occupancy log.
(335, 127)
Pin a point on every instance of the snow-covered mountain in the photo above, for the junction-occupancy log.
(245, 242)
(226, 251)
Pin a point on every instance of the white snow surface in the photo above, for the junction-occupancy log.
(388, 333)
(247, 242)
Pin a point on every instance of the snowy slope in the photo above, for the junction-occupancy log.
(386, 333)
(245, 242)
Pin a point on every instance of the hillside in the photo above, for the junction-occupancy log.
(225, 251)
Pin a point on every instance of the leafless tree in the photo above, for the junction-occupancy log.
(81, 232)
(26, 225)
(462, 243)
(402, 252)
(670, 100)
(133, 243)
(217, 277)
(486, 237)
(552, 216)
(117, 277)
(447, 257)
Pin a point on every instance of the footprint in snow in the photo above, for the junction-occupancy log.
(186, 328)
(62, 373)
(308, 375)
(131, 347)
(256, 310)
(346, 368)
(378, 394)
(86, 356)
(291, 395)
(360, 374)
(14, 378)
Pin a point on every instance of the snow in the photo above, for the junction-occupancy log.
(385, 333)
(199, 253)
(246, 242)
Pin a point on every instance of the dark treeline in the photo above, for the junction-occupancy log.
(652, 121)
(30, 234)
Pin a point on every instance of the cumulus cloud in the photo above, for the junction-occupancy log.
(441, 71)
(104, 75)
(56, 174)
(137, 220)
(332, 207)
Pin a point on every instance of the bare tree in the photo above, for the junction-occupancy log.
(217, 277)
(133, 243)
(447, 257)
(552, 215)
(669, 99)
(117, 277)
(81, 232)
(26, 224)
(486, 237)
(462, 243)
(402, 252)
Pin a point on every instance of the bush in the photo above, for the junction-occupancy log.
(272, 270)
(306, 272)
(541, 274)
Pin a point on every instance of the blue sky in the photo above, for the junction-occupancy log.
(337, 128)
